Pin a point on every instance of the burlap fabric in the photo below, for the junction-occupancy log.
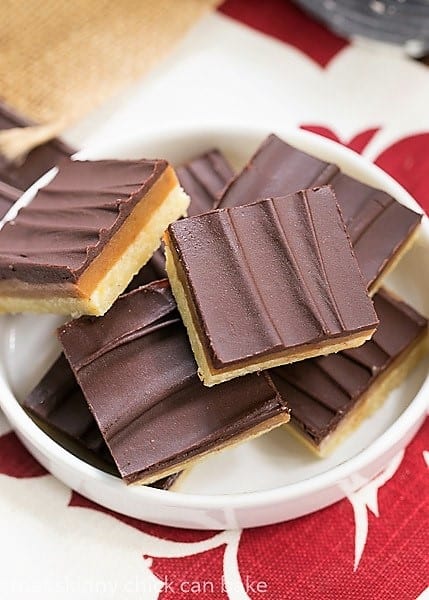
(61, 58)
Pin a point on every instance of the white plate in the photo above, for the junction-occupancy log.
(266, 480)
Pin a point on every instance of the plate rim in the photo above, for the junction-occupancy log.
(409, 419)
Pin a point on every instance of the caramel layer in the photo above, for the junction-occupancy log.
(127, 234)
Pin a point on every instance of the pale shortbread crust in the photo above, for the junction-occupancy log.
(370, 401)
(210, 376)
(260, 429)
(117, 277)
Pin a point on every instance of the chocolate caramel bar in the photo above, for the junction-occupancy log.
(79, 242)
(203, 178)
(267, 284)
(381, 229)
(329, 396)
(58, 403)
(38, 161)
(139, 377)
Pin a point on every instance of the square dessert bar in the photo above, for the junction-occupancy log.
(329, 396)
(267, 284)
(139, 377)
(380, 228)
(58, 405)
(203, 178)
(79, 242)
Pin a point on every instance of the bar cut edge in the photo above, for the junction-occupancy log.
(252, 433)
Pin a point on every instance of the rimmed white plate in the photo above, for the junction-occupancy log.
(266, 480)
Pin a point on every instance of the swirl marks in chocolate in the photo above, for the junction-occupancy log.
(157, 301)
(59, 403)
(321, 391)
(204, 178)
(69, 221)
(231, 311)
(296, 225)
(276, 169)
(145, 318)
(126, 338)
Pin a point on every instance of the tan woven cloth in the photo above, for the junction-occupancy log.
(62, 58)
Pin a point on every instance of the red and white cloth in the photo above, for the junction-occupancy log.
(264, 61)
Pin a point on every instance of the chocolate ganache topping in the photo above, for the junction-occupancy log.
(271, 276)
(58, 401)
(137, 371)
(69, 221)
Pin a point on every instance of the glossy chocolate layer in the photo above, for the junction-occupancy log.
(8, 196)
(271, 276)
(203, 178)
(58, 401)
(276, 169)
(378, 225)
(322, 391)
(69, 221)
(38, 161)
(139, 376)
